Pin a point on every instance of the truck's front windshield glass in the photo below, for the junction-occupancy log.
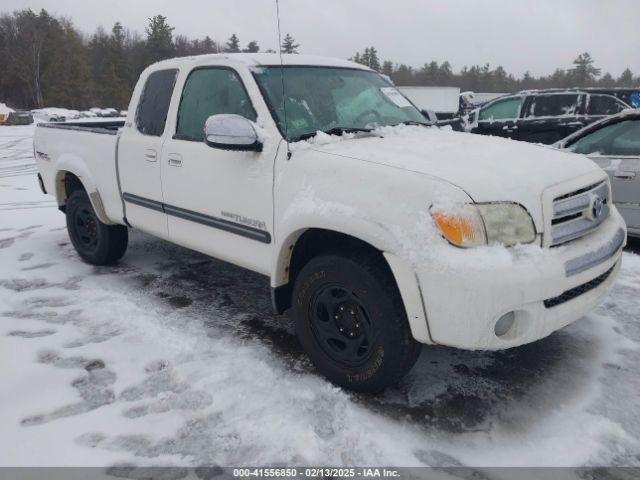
(332, 100)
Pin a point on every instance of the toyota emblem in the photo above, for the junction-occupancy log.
(597, 206)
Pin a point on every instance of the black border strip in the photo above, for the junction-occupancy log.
(225, 225)
(576, 292)
(143, 202)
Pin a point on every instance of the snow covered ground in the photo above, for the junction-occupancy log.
(173, 358)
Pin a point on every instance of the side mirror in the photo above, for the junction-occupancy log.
(231, 132)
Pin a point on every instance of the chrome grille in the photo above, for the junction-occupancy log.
(577, 213)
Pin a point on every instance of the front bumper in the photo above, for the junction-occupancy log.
(546, 292)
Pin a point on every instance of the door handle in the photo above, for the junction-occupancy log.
(625, 175)
(175, 160)
(150, 155)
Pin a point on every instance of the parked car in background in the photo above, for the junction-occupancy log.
(88, 114)
(48, 116)
(471, 100)
(542, 116)
(19, 117)
(614, 144)
(110, 112)
(630, 96)
(54, 114)
(4, 112)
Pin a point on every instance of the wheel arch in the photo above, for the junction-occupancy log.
(303, 244)
(68, 181)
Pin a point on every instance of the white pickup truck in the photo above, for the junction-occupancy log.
(379, 232)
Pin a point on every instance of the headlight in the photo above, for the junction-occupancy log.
(471, 225)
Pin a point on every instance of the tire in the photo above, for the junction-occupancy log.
(350, 319)
(95, 242)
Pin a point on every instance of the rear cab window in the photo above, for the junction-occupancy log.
(554, 105)
(153, 106)
(505, 109)
(210, 91)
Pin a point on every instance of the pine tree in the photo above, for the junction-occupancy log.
(182, 46)
(500, 79)
(584, 73)
(429, 73)
(120, 87)
(209, 46)
(289, 44)
(159, 39)
(527, 81)
(387, 68)
(67, 79)
(403, 75)
(445, 74)
(233, 44)
(372, 59)
(369, 58)
(607, 81)
(252, 47)
(626, 79)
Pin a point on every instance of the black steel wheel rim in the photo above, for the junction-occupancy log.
(86, 228)
(341, 325)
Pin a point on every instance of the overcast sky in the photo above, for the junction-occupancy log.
(521, 35)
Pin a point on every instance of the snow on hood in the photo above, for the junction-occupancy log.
(487, 168)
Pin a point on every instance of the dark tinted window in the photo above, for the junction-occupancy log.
(154, 102)
(603, 105)
(207, 92)
(553, 105)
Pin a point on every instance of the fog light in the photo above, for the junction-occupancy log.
(504, 324)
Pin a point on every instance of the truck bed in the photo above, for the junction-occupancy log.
(87, 148)
(109, 127)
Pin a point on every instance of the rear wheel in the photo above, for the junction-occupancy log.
(95, 242)
(351, 321)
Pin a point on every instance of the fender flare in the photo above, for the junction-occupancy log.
(381, 239)
(76, 167)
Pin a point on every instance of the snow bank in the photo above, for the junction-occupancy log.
(4, 110)
(49, 113)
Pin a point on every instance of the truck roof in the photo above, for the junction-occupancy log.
(257, 59)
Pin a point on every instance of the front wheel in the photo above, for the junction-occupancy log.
(95, 242)
(351, 321)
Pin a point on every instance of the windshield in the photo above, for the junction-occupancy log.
(333, 99)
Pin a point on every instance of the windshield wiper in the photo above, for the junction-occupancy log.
(413, 122)
(334, 131)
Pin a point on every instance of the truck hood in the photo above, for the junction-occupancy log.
(488, 169)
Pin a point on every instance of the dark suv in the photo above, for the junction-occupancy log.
(542, 116)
